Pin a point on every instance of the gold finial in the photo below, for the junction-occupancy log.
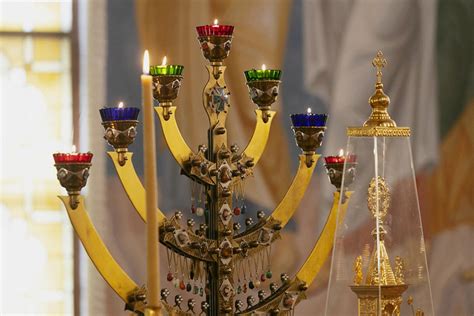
(379, 101)
(358, 270)
(379, 62)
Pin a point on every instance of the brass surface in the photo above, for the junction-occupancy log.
(377, 131)
(100, 256)
(120, 134)
(322, 249)
(153, 311)
(176, 143)
(335, 172)
(73, 177)
(132, 185)
(370, 296)
(258, 142)
(379, 123)
(215, 48)
(287, 207)
(166, 88)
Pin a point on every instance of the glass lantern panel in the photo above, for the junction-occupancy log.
(379, 261)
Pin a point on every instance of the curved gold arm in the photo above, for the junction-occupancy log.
(287, 207)
(176, 143)
(132, 185)
(258, 142)
(322, 249)
(110, 270)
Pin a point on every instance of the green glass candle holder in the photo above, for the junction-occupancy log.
(260, 74)
(166, 70)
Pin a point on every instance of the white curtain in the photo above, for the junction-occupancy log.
(340, 40)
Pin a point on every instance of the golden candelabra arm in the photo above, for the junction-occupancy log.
(110, 270)
(287, 207)
(178, 147)
(136, 193)
(258, 142)
(132, 185)
(322, 249)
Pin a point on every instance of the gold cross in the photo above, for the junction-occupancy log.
(379, 62)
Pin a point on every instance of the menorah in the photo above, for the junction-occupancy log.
(218, 261)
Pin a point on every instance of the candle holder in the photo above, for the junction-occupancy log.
(165, 91)
(335, 171)
(308, 139)
(215, 48)
(215, 41)
(120, 125)
(264, 93)
(119, 135)
(73, 175)
(216, 260)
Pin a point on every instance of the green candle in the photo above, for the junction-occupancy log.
(262, 74)
(164, 69)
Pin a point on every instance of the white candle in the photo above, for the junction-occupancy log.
(153, 271)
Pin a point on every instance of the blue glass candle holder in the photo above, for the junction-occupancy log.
(309, 119)
(119, 114)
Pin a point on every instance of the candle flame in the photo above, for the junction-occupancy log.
(341, 152)
(146, 62)
(73, 148)
(163, 62)
(120, 105)
(216, 22)
(264, 67)
(308, 110)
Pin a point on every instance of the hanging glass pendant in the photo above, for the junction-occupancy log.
(379, 262)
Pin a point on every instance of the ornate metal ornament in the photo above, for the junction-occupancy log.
(225, 214)
(378, 198)
(219, 99)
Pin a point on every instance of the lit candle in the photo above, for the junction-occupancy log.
(215, 29)
(153, 274)
(166, 70)
(119, 113)
(262, 74)
(72, 157)
(309, 119)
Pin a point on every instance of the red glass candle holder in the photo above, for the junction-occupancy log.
(215, 30)
(72, 157)
(340, 159)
